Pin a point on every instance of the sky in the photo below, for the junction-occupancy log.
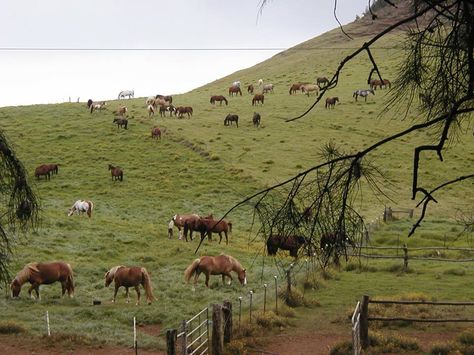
(59, 50)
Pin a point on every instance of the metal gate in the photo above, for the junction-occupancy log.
(193, 337)
(356, 330)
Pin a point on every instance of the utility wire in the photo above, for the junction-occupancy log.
(242, 49)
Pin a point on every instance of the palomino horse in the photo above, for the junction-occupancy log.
(121, 122)
(130, 277)
(44, 273)
(81, 206)
(309, 88)
(219, 98)
(215, 265)
(363, 92)
(125, 93)
(116, 172)
(155, 133)
(256, 119)
(258, 98)
(234, 90)
(179, 220)
(250, 89)
(331, 102)
(285, 242)
(208, 225)
(231, 118)
(267, 88)
(322, 80)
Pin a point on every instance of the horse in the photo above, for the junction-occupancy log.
(181, 110)
(167, 108)
(236, 84)
(381, 84)
(364, 93)
(150, 100)
(116, 172)
(216, 265)
(151, 110)
(295, 87)
(309, 88)
(256, 119)
(100, 105)
(334, 243)
(267, 88)
(167, 98)
(43, 170)
(231, 118)
(122, 111)
(235, 90)
(322, 80)
(219, 98)
(285, 242)
(260, 82)
(130, 277)
(155, 133)
(258, 98)
(121, 122)
(125, 93)
(331, 102)
(250, 89)
(161, 102)
(53, 168)
(208, 225)
(179, 221)
(386, 82)
(44, 273)
(81, 206)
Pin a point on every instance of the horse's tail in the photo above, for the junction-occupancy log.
(191, 269)
(225, 101)
(92, 107)
(147, 285)
(91, 206)
(70, 281)
(326, 106)
(210, 100)
(271, 249)
(230, 226)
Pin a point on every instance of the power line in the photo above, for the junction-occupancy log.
(237, 49)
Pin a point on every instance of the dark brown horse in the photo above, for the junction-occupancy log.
(116, 172)
(256, 119)
(322, 80)
(295, 87)
(215, 265)
(181, 110)
(258, 98)
(331, 102)
(285, 242)
(121, 122)
(43, 170)
(53, 168)
(250, 89)
(234, 90)
(219, 98)
(179, 221)
(231, 118)
(155, 133)
(208, 225)
(166, 108)
(44, 274)
(130, 277)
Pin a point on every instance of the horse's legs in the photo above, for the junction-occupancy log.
(37, 289)
(230, 278)
(196, 276)
(181, 234)
(115, 292)
(32, 287)
(207, 279)
(127, 295)
(220, 237)
(63, 288)
(137, 288)
(226, 239)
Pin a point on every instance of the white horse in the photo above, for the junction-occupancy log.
(81, 206)
(123, 94)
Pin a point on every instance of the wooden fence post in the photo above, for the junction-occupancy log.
(217, 346)
(364, 322)
(171, 341)
(405, 257)
(227, 310)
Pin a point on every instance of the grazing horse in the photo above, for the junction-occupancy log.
(53, 168)
(215, 265)
(179, 221)
(258, 98)
(219, 98)
(116, 172)
(155, 133)
(295, 87)
(209, 225)
(121, 122)
(309, 88)
(125, 93)
(381, 84)
(256, 119)
(322, 80)
(130, 277)
(285, 242)
(267, 88)
(231, 118)
(167, 98)
(331, 102)
(235, 90)
(81, 206)
(334, 243)
(167, 108)
(181, 110)
(363, 92)
(44, 273)
(41, 170)
(250, 89)
(96, 106)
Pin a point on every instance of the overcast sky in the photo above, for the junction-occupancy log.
(189, 26)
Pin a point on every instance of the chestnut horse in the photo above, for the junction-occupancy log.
(215, 265)
(116, 172)
(179, 220)
(155, 133)
(44, 273)
(181, 110)
(130, 277)
(258, 98)
(219, 98)
(41, 170)
(235, 90)
(285, 242)
(208, 225)
(295, 87)
(331, 102)
(250, 89)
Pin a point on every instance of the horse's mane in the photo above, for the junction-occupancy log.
(233, 261)
(113, 270)
(23, 275)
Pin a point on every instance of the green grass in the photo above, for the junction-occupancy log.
(204, 167)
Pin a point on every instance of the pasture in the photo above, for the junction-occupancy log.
(201, 166)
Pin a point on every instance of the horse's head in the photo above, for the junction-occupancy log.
(70, 211)
(242, 277)
(109, 277)
(15, 288)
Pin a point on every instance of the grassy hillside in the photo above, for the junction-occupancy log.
(205, 167)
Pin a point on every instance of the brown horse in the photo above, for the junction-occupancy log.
(209, 225)
(250, 89)
(179, 221)
(130, 277)
(235, 90)
(219, 98)
(331, 102)
(215, 265)
(122, 110)
(121, 122)
(256, 119)
(166, 98)
(53, 168)
(44, 273)
(285, 242)
(155, 133)
(258, 98)
(166, 108)
(335, 243)
(181, 110)
(295, 87)
(231, 118)
(322, 80)
(116, 172)
(41, 170)
(381, 84)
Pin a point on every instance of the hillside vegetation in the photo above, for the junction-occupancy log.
(202, 166)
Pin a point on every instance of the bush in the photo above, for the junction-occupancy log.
(11, 327)
(342, 348)
(441, 349)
